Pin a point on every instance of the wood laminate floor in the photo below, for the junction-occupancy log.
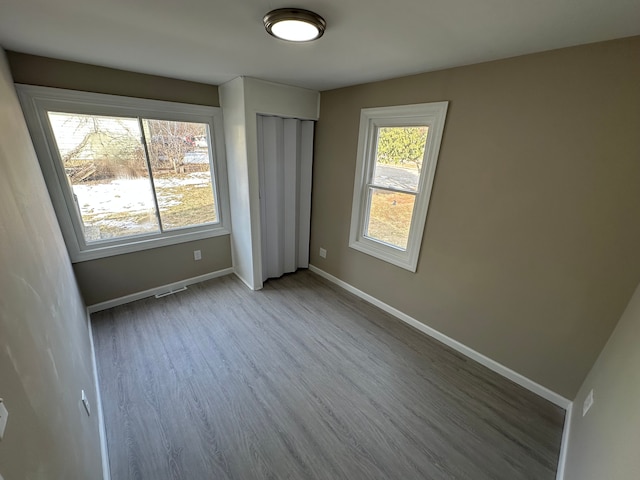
(303, 380)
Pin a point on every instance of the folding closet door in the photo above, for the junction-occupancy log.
(285, 157)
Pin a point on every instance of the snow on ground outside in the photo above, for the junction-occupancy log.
(133, 195)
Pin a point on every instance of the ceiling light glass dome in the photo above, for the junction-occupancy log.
(294, 24)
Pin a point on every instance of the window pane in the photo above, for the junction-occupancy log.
(104, 160)
(390, 217)
(399, 153)
(179, 156)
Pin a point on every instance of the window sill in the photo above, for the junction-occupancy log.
(137, 244)
(386, 253)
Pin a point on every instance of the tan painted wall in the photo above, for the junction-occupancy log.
(113, 277)
(50, 72)
(530, 248)
(45, 354)
(604, 443)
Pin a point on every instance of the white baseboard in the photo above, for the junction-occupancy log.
(566, 430)
(506, 372)
(104, 452)
(158, 290)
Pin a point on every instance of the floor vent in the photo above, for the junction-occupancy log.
(171, 292)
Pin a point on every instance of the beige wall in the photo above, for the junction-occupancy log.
(604, 443)
(45, 354)
(530, 248)
(113, 277)
(50, 72)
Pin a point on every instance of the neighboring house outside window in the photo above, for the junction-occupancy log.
(127, 174)
(397, 157)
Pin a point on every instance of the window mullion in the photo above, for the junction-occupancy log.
(153, 185)
(391, 189)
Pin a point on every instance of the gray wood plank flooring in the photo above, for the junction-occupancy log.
(303, 380)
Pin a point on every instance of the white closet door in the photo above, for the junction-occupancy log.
(285, 156)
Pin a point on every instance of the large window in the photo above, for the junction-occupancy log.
(397, 156)
(128, 174)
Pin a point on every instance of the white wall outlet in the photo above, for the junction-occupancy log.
(323, 253)
(3, 418)
(85, 402)
(197, 255)
(588, 402)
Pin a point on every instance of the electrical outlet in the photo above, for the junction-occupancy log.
(588, 402)
(323, 253)
(197, 255)
(3, 418)
(85, 402)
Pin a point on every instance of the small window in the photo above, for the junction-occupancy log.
(397, 156)
(128, 174)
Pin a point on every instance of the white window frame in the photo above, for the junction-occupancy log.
(38, 101)
(431, 115)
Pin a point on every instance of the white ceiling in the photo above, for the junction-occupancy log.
(213, 41)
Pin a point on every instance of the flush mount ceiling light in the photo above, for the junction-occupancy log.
(294, 24)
